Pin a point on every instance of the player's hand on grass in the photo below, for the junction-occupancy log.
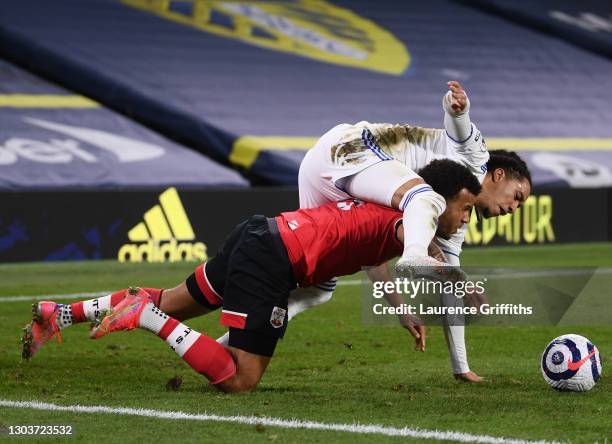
(416, 327)
(469, 377)
(456, 100)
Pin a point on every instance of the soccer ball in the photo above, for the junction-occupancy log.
(571, 363)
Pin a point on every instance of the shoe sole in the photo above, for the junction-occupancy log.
(26, 340)
(36, 314)
(95, 326)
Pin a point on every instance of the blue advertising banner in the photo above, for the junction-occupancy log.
(173, 225)
(51, 139)
(254, 83)
(587, 23)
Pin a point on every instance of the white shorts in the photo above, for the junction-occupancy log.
(340, 154)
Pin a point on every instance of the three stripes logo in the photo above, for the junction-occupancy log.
(165, 235)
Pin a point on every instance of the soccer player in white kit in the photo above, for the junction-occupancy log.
(378, 163)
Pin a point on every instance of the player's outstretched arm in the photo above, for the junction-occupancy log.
(412, 323)
(454, 332)
(456, 112)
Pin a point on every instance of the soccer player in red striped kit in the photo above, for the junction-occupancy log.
(256, 268)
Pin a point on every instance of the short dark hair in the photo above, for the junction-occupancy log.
(448, 178)
(511, 163)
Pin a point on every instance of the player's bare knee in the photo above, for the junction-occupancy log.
(239, 383)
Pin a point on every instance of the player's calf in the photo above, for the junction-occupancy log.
(49, 318)
(250, 367)
(201, 352)
(91, 309)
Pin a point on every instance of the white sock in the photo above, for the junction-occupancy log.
(152, 318)
(421, 206)
(92, 310)
(180, 338)
(64, 317)
(93, 307)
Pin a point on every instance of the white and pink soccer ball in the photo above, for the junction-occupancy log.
(571, 363)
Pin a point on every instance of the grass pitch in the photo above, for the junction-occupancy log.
(330, 368)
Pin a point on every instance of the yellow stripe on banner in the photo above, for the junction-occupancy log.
(45, 101)
(176, 214)
(156, 222)
(550, 144)
(246, 149)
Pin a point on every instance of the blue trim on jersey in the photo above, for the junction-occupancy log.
(463, 141)
(483, 168)
(414, 193)
(449, 252)
(339, 187)
(368, 140)
(324, 288)
(328, 285)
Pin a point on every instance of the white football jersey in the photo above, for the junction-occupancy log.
(415, 147)
(346, 150)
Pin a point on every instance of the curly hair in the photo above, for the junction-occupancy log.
(511, 163)
(448, 178)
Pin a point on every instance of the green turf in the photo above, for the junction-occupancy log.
(330, 368)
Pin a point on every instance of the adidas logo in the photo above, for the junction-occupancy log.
(165, 235)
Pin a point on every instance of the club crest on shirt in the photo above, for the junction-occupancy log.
(277, 319)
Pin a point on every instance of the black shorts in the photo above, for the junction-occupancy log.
(251, 277)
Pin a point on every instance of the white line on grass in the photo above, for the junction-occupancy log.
(343, 283)
(97, 294)
(502, 273)
(371, 429)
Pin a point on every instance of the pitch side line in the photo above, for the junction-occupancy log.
(371, 429)
(96, 294)
(345, 283)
